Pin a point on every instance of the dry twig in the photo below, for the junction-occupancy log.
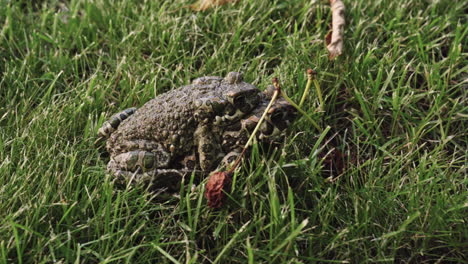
(334, 39)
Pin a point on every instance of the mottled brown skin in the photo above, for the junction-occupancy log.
(188, 129)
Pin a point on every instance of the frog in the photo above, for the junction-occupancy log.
(189, 130)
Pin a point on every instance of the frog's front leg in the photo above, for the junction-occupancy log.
(207, 146)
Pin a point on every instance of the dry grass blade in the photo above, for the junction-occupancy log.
(334, 39)
(203, 5)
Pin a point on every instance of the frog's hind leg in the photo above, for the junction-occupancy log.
(113, 123)
(138, 160)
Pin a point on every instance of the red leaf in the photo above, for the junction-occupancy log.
(217, 183)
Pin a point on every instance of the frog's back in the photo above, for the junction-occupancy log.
(167, 120)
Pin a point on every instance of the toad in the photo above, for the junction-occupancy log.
(190, 129)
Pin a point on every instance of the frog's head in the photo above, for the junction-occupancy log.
(239, 99)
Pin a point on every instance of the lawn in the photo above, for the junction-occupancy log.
(382, 181)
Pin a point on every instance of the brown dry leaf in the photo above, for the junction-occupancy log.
(334, 39)
(217, 182)
(203, 5)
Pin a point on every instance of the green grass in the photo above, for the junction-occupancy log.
(395, 105)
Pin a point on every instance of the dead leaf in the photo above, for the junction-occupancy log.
(203, 5)
(215, 187)
(334, 39)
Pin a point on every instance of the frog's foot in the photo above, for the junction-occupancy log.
(157, 179)
(111, 125)
(139, 160)
(233, 139)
